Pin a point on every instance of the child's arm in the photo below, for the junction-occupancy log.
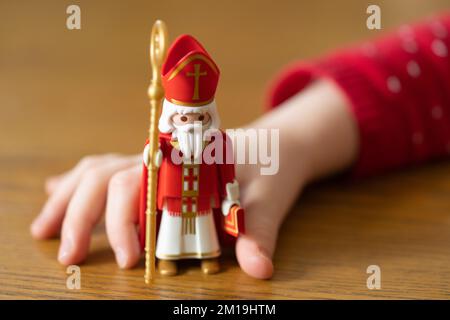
(398, 90)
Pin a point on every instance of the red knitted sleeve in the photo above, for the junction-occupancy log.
(399, 89)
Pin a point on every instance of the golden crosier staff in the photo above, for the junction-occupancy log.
(158, 49)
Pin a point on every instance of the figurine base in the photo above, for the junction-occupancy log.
(170, 268)
(167, 267)
(210, 266)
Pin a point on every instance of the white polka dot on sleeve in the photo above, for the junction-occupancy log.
(413, 69)
(439, 48)
(410, 45)
(393, 84)
(438, 29)
(436, 112)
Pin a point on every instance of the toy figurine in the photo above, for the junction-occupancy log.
(197, 195)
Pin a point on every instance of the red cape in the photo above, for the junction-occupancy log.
(224, 237)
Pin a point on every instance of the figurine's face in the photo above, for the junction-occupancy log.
(191, 118)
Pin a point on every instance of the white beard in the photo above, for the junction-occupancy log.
(190, 141)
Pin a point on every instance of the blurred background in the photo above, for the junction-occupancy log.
(69, 93)
(66, 93)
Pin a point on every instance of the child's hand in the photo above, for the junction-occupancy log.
(77, 200)
(317, 136)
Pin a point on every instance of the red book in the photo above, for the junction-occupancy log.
(234, 221)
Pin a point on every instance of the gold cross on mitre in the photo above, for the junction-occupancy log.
(196, 74)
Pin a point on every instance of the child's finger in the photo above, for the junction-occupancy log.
(52, 183)
(48, 222)
(252, 258)
(122, 216)
(85, 209)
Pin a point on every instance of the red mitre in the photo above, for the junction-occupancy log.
(189, 75)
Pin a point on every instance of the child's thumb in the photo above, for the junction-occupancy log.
(255, 248)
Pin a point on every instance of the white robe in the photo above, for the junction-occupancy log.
(175, 243)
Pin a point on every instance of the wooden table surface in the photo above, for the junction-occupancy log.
(65, 94)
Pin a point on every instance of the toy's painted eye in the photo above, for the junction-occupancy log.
(201, 118)
(183, 118)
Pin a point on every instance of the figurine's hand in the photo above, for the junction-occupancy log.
(158, 156)
(77, 200)
(232, 198)
(227, 204)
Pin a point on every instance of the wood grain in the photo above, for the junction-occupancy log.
(65, 94)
